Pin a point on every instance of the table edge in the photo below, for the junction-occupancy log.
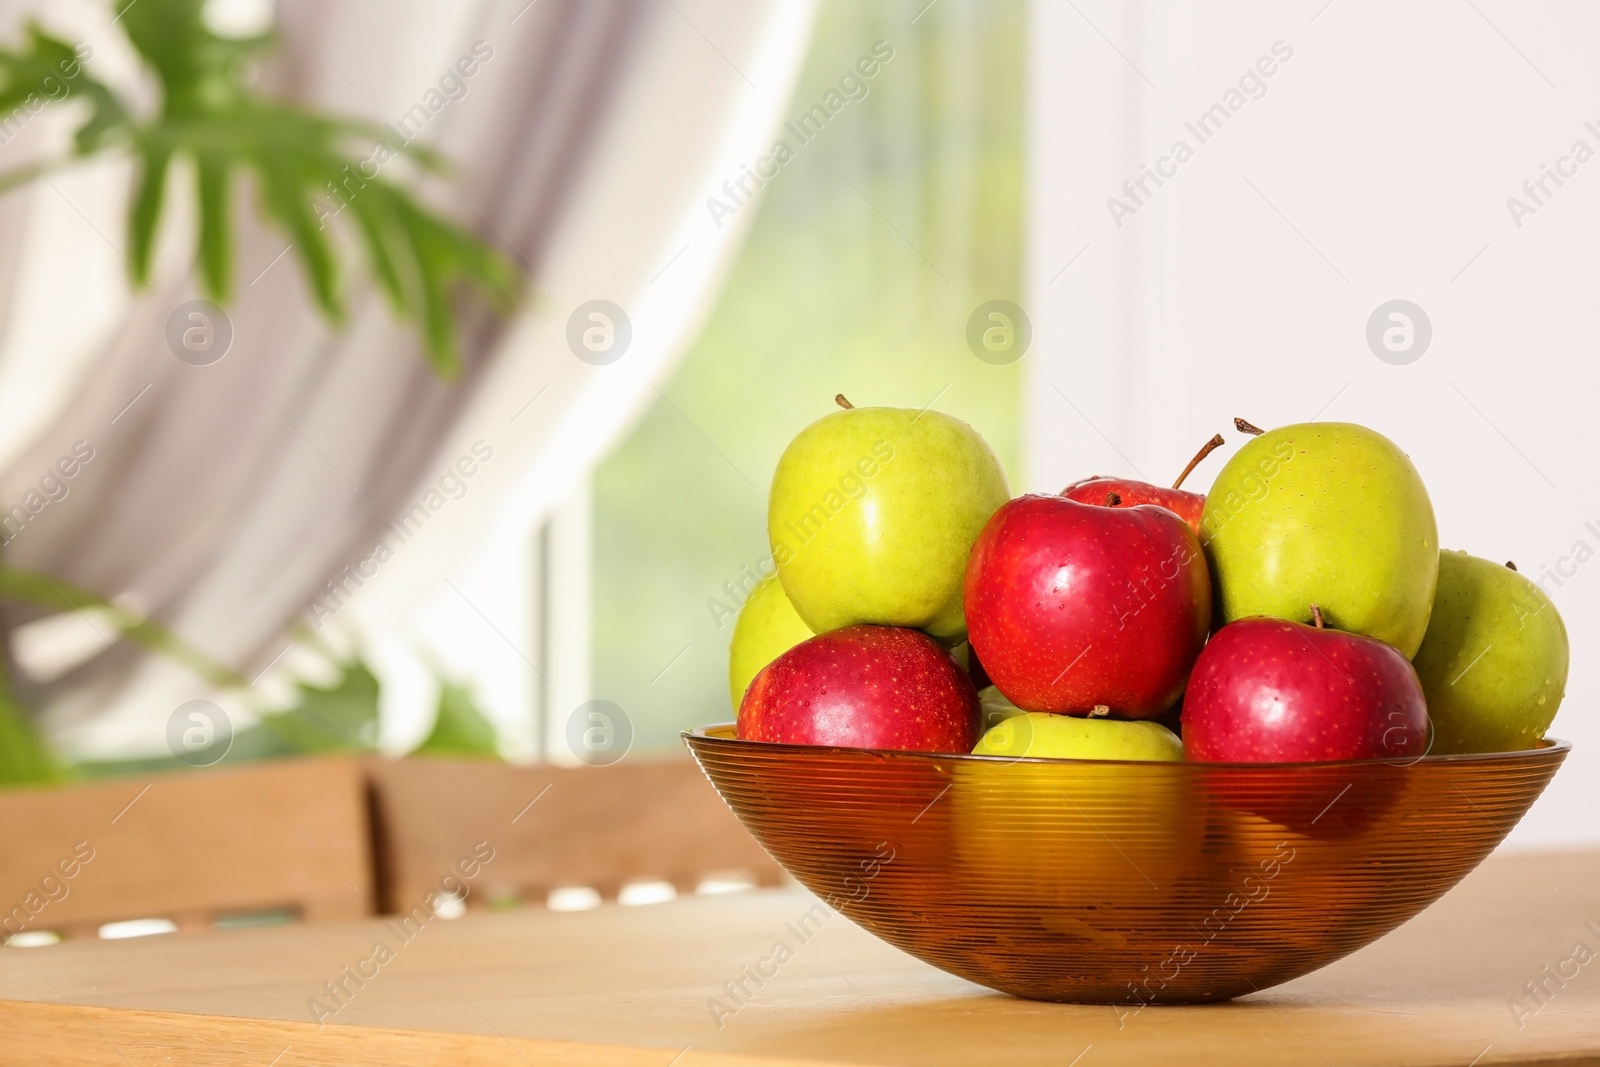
(84, 1034)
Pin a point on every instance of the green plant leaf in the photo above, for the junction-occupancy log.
(41, 590)
(25, 758)
(149, 190)
(47, 70)
(284, 200)
(339, 718)
(342, 717)
(446, 256)
(459, 728)
(309, 168)
(375, 217)
(212, 175)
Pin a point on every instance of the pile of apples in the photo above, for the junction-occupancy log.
(1300, 611)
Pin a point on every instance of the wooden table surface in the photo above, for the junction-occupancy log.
(633, 985)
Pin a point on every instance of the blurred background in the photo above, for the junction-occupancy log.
(476, 448)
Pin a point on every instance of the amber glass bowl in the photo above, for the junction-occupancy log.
(1118, 882)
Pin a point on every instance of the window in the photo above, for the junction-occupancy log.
(869, 249)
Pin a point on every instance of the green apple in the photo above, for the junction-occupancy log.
(767, 627)
(1324, 513)
(1494, 663)
(873, 513)
(1051, 736)
(1083, 840)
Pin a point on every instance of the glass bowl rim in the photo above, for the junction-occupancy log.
(1545, 748)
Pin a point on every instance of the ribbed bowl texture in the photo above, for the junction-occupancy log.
(1119, 882)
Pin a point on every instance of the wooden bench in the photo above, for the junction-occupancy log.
(189, 848)
(333, 839)
(554, 827)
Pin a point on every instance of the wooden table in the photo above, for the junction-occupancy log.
(632, 985)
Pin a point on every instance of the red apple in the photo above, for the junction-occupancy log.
(1128, 493)
(1073, 607)
(1271, 690)
(864, 687)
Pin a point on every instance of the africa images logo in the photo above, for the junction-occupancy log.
(852, 85)
(1252, 85)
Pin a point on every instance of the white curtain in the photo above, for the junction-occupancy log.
(223, 499)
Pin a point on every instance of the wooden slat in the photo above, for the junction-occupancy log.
(603, 827)
(187, 847)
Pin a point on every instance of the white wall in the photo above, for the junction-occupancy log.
(1376, 166)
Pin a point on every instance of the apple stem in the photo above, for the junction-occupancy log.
(1245, 427)
(1512, 564)
(1113, 499)
(842, 402)
(1316, 616)
(1206, 449)
(1099, 711)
